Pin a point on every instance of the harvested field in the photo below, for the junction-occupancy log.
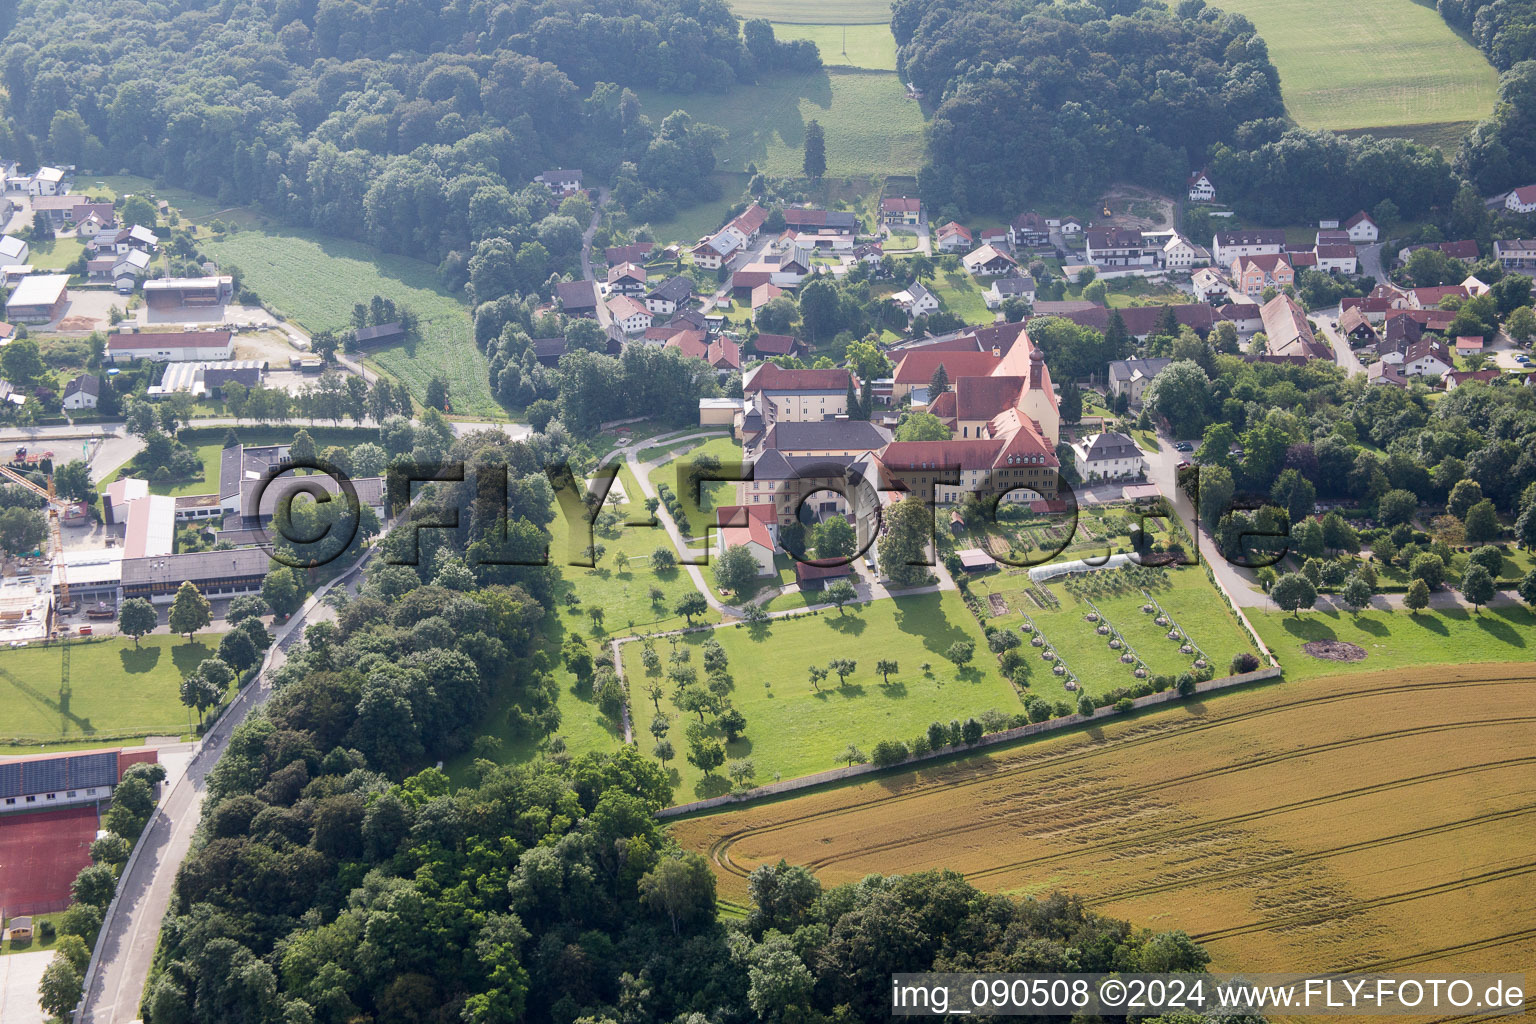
(1368, 821)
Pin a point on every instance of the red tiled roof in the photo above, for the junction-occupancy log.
(724, 354)
(689, 343)
(981, 398)
(917, 366)
(775, 344)
(770, 377)
(900, 204)
(1356, 219)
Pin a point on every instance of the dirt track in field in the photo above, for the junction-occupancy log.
(1373, 821)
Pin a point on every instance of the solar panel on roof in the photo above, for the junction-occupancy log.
(43, 776)
(10, 779)
(93, 770)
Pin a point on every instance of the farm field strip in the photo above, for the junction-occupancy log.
(821, 12)
(1417, 72)
(1239, 766)
(1330, 824)
(868, 46)
(1149, 730)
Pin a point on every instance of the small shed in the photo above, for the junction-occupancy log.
(976, 560)
(19, 928)
(1469, 344)
(815, 577)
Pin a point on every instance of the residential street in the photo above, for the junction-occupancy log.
(586, 236)
(1342, 353)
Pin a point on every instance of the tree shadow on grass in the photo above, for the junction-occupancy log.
(1500, 630)
(1305, 629)
(895, 689)
(852, 625)
(1432, 623)
(1371, 626)
(139, 660)
(741, 746)
(711, 786)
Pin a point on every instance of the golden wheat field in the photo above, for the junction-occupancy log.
(1382, 821)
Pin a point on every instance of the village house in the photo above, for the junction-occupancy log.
(1466, 250)
(635, 252)
(1201, 189)
(560, 181)
(64, 213)
(776, 345)
(13, 251)
(1227, 246)
(1361, 228)
(1140, 321)
(1430, 298)
(1004, 288)
(1071, 226)
(763, 294)
(1209, 285)
(995, 237)
(578, 298)
(988, 262)
(1245, 316)
(1355, 325)
(629, 313)
(1337, 259)
(1029, 231)
(1386, 373)
(916, 300)
(712, 253)
(137, 237)
(1130, 377)
(48, 181)
(1117, 247)
(1252, 274)
(1515, 253)
(754, 527)
(905, 210)
(1456, 378)
(1521, 200)
(953, 237)
(1109, 456)
(869, 253)
(1427, 357)
(664, 299)
(1287, 330)
(626, 279)
(82, 392)
(1469, 345)
(1179, 253)
(124, 269)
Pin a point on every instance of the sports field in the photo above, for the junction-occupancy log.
(1377, 821)
(316, 280)
(871, 126)
(40, 854)
(859, 46)
(113, 690)
(1371, 63)
(793, 729)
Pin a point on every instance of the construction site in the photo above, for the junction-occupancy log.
(31, 581)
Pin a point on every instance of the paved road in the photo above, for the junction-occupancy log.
(129, 935)
(1342, 353)
(587, 235)
(1370, 262)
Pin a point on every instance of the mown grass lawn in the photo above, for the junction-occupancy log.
(871, 126)
(868, 46)
(621, 583)
(831, 12)
(793, 730)
(719, 493)
(210, 454)
(961, 294)
(55, 253)
(114, 690)
(1418, 70)
(1399, 639)
(316, 280)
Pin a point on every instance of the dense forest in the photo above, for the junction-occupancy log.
(1500, 152)
(413, 126)
(1048, 100)
(1505, 30)
(339, 878)
(1041, 99)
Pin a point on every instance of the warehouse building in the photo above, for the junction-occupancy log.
(38, 298)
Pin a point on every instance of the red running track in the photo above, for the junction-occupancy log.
(41, 852)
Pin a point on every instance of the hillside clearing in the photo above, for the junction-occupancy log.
(316, 280)
(1373, 63)
(871, 126)
(830, 12)
(868, 46)
(1364, 822)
